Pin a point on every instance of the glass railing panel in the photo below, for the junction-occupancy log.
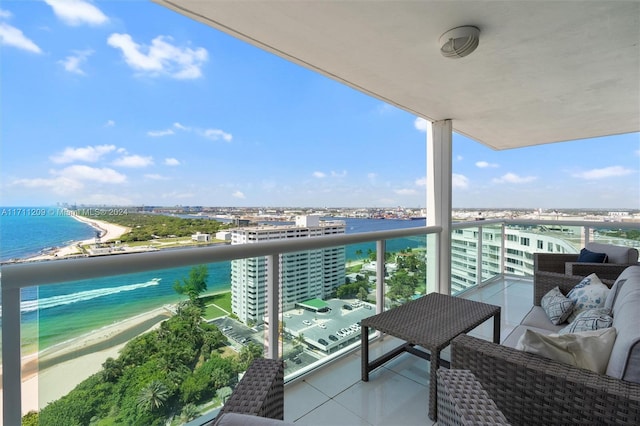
(405, 270)
(615, 234)
(522, 241)
(465, 246)
(322, 304)
(491, 252)
(140, 348)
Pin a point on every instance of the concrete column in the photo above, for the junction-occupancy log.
(439, 176)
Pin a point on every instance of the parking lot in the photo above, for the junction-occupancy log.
(237, 333)
(326, 331)
(330, 330)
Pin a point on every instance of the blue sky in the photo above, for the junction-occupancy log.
(126, 102)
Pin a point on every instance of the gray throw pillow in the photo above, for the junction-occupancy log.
(557, 306)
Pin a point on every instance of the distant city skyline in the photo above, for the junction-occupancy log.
(129, 103)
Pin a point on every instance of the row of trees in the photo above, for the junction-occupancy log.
(164, 375)
(409, 278)
(145, 227)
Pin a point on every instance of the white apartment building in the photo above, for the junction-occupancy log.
(303, 275)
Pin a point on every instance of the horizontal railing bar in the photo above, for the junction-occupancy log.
(26, 274)
(534, 222)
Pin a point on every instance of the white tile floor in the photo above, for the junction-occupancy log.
(398, 392)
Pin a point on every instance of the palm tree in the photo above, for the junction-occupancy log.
(153, 396)
(189, 412)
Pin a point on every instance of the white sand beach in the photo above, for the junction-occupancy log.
(68, 364)
(108, 232)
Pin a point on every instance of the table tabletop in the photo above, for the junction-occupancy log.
(433, 320)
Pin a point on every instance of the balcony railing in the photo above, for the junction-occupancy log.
(480, 251)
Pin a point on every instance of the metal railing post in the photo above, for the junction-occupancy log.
(503, 245)
(380, 271)
(273, 304)
(479, 258)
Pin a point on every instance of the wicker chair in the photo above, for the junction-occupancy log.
(567, 264)
(259, 393)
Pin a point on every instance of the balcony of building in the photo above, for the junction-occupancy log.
(324, 374)
(544, 72)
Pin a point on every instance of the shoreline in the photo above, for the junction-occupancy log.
(108, 231)
(72, 361)
(69, 363)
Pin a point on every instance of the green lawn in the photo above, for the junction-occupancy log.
(217, 304)
(212, 311)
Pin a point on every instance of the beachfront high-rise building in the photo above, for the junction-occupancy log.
(304, 275)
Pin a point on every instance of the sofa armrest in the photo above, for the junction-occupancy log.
(552, 262)
(260, 392)
(530, 389)
(609, 271)
(545, 281)
(463, 402)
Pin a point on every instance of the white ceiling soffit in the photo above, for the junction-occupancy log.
(545, 71)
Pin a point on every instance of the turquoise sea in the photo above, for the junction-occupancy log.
(56, 313)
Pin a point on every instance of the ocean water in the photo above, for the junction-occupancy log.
(54, 314)
(27, 231)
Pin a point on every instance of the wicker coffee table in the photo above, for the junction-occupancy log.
(430, 322)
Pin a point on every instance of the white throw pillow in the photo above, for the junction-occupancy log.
(590, 293)
(586, 349)
(591, 319)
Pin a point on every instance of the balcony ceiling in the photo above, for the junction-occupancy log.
(545, 71)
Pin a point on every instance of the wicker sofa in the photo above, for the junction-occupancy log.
(618, 259)
(530, 389)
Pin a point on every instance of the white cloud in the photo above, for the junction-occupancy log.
(155, 176)
(372, 176)
(161, 58)
(73, 63)
(12, 36)
(217, 134)
(181, 127)
(319, 175)
(459, 157)
(171, 162)
(133, 161)
(81, 173)
(406, 191)
(89, 154)
(238, 194)
(514, 178)
(459, 181)
(420, 124)
(339, 174)
(604, 173)
(160, 133)
(77, 12)
(109, 123)
(5, 14)
(60, 185)
(484, 164)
